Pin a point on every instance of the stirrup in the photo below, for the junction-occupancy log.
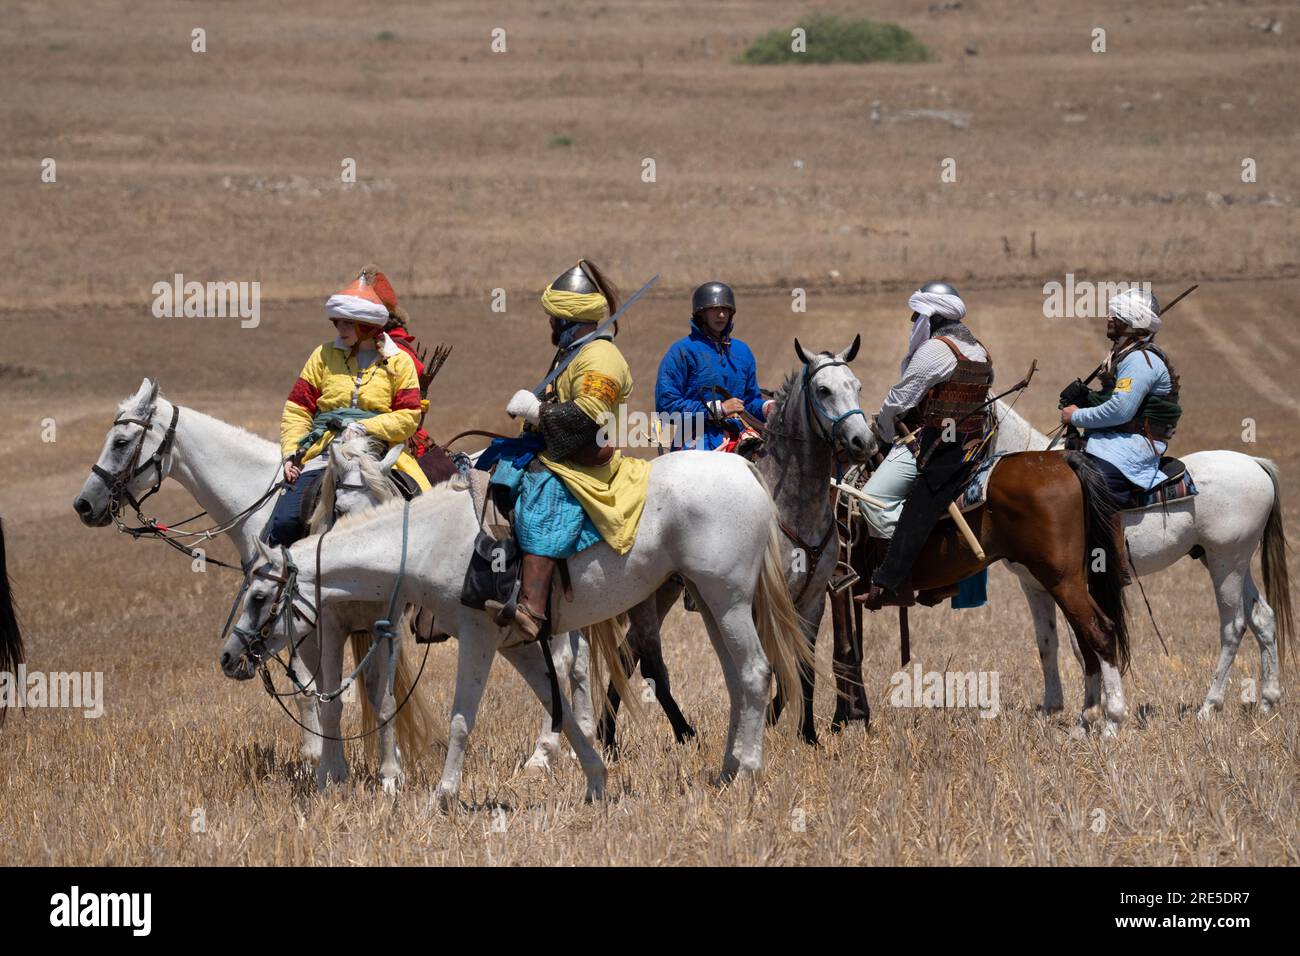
(843, 580)
(525, 627)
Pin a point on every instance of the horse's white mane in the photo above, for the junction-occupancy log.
(430, 500)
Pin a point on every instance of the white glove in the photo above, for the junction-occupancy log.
(354, 430)
(715, 407)
(525, 405)
(767, 407)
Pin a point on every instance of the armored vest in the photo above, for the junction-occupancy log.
(962, 397)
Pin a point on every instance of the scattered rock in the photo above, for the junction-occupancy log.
(971, 49)
(1075, 117)
(1266, 25)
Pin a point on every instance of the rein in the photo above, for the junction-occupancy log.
(254, 642)
(119, 488)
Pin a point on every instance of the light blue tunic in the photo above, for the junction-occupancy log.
(1138, 375)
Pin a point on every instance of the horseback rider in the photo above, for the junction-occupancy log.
(575, 488)
(1128, 423)
(936, 414)
(710, 373)
(361, 384)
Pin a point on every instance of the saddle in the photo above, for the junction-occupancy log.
(1177, 485)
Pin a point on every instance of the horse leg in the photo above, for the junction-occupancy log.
(1043, 611)
(548, 741)
(730, 677)
(333, 766)
(810, 617)
(1263, 623)
(1228, 575)
(528, 661)
(1100, 676)
(384, 706)
(735, 637)
(308, 704)
(478, 643)
(851, 694)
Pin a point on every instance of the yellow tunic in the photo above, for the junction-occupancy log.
(330, 381)
(612, 494)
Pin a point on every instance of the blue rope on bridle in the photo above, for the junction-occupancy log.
(813, 405)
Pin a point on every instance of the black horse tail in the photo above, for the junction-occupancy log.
(1105, 580)
(11, 638)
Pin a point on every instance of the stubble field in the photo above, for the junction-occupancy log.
(227, 168)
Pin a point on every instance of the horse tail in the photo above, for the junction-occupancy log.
(414, 723)
(780, 628)
(11, 637)
(1105, 586)
(607, 654)
(1277, 580)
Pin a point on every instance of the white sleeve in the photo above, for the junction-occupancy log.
(932, 364)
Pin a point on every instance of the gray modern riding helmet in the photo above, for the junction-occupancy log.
(939, 287)
(713, 294)
(574, 280)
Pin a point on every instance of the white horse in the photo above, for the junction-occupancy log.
(707, 517)
(1237, 510)
(357, 481)
(226, 470)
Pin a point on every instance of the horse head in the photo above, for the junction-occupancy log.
(135, 457)
(831, 397)
(272, 616)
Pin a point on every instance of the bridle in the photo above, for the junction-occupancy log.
(119, 487)
(119, 483)
(816, 411)
(284, 607)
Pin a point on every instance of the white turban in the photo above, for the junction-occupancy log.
(926, 304)
(1132, 307)
(943, 304)
(341, 305)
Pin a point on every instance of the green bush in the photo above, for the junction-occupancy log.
(838, 40)
(385, 36)
(561, 141)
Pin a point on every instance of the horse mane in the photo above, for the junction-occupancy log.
(128, 404)
(424, 502)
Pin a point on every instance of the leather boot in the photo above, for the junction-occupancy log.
(535, 575)
(878, 597)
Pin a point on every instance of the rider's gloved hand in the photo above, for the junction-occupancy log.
(1076, 393)
(525, 405)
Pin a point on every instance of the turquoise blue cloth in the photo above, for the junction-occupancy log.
(549, 521)
(972, 591)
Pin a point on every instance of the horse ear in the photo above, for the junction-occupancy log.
(389, 460)
(798, 350)
(264, 552)
(850, 353)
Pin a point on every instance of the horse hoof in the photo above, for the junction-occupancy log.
(445, 797)
(1110, 731)
(1207, 711)
(535, 771)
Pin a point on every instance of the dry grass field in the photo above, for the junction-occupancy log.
(225, 165)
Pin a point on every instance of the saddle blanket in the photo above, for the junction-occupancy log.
(1179, 485)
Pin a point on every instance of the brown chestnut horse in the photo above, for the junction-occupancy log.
(1048, 511)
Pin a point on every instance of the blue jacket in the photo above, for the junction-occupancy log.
(688, 368)
(1137, 374)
